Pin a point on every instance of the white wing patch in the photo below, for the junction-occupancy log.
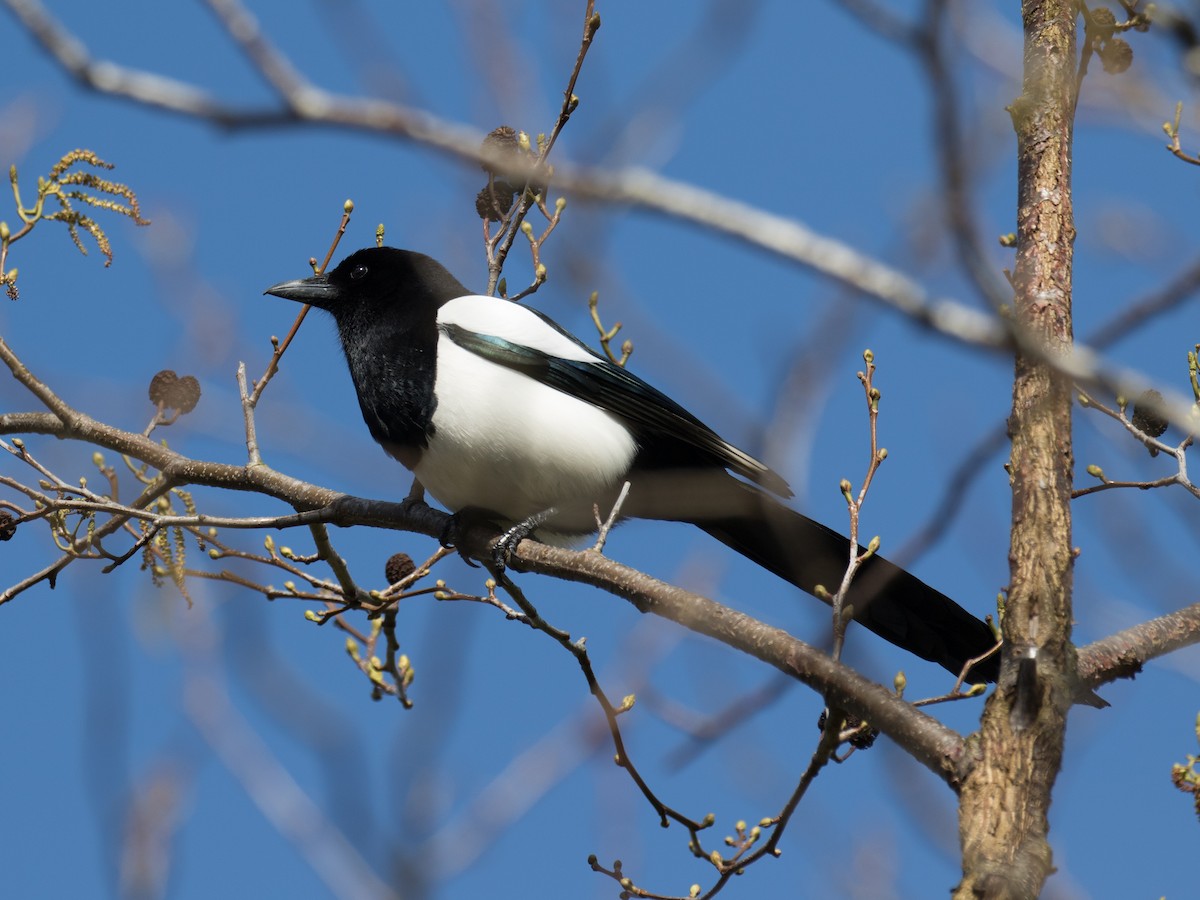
(508, 443)
(512, 322)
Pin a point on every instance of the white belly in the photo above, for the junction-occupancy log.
(483, 452)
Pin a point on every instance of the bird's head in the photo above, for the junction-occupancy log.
(373, 278)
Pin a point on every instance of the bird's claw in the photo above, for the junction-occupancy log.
(449, 538)
(506, 544)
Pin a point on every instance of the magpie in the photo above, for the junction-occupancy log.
(501, 413)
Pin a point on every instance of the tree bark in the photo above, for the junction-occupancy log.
(1004, 802)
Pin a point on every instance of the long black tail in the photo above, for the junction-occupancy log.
(891, 602)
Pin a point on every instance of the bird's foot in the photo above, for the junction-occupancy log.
(502, 550)
(462, 522)
(471, 517)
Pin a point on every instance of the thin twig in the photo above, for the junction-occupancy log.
(607, 524)
(578, 650)
(253, 456)
(281, 347)
(854, 504)
(241, 25)
(498, 247)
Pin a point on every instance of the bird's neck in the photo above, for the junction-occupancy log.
(393, 364)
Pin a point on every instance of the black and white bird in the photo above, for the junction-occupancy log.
(501, 413)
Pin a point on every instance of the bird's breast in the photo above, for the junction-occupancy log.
(505, 442)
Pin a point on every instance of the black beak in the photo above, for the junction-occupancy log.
(316, 291)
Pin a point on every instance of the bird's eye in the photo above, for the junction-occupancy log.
(358, 272)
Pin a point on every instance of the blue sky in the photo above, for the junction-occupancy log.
(790, 107)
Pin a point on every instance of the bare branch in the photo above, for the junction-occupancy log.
(1123, 654)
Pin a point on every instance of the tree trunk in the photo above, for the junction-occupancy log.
(1004, 803)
